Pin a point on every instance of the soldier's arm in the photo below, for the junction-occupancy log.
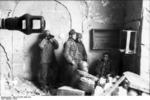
(84, 53)
(66, 52)
(42, 43)
(97, 69)
(55, 43)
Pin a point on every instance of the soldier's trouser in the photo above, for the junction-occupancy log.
(70, 74)
(44, 74)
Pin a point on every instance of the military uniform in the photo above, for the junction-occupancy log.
(71, 60)
(81, 48)
(103, 68)
(71, 51)
(83, 54)
(47, 61)
(82, 57)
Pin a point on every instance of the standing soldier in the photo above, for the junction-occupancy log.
(48, 45)
(71, 57)
(82, 53)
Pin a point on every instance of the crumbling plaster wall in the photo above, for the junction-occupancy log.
(145, 41)
(138, 18)
(133, 20)
(60, 16)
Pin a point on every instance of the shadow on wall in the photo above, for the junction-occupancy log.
(92, 68)
(35, 53)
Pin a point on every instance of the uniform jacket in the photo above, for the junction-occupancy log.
(103, 68)
(82, 51)
(71, 51)
(48, 46)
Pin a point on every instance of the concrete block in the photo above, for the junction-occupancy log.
(69, 91)
(86, 84)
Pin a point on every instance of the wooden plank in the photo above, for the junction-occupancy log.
(137, 82)
(108, 93)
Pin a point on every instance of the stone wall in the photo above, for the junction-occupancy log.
(137, 18)
(22, 50)
(133, 20)
(145, 46)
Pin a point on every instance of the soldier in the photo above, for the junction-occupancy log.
(103, 66)
(48, 45)
(71, 58)
(81, 48)
(82, 57)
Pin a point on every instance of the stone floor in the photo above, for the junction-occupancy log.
(18, 88)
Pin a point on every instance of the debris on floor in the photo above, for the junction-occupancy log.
(128, 84)
(18, 87)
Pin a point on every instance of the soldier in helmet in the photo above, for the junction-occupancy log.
(82, 57)
(103, 66)
(47, 45)
(83, 54)
(70, 53)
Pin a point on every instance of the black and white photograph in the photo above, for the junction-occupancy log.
(74, 48)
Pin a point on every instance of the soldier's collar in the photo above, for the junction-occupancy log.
(70, 38)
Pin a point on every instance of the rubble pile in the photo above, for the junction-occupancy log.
(5, 87)
(130, 84)
(18, 88)
(104, 86)
(26, 88)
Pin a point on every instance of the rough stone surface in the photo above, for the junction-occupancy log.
(18, 88)
(145, 49)
(60, 17)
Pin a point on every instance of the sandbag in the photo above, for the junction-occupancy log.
(69, 91)
(86, 85)
(83, 66)
(137, 82)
